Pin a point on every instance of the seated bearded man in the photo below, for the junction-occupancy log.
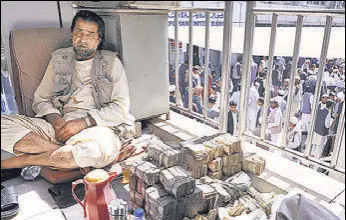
(82, 107)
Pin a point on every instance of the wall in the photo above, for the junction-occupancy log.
(24, 14)
(145, 52)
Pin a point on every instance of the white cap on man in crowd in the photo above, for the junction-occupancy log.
(325, 96)
(171, 88)
(257, 84)
(273, 100)
(294, 120)
(340, 96)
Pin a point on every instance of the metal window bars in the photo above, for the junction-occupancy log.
(226, 60)
(248, 41)
(251, 12)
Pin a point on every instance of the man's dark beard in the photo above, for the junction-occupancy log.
(83, 53)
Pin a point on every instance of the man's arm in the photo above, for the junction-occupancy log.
(44, 108)
(42, 103)
(56, 120)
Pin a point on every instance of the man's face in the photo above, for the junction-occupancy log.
(324, 100)
(286, 84)
(233, 109)
(272, 105)
(259, 103)
(291, 125)
(296, 82)
(85, 39)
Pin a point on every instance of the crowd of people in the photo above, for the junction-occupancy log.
(329, 108)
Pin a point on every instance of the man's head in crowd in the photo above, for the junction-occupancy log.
(293, 122)
(286, 83)
(332, 96)
(233, 106)
(273, 103)
(211, 102)
(88, 34)
(324, 98)
(260, 101)
(296, 81)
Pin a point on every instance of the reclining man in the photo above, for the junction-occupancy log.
(81, 106)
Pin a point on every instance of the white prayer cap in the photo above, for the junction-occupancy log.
(273, 100)
(171, 88)
(257, 84)
(294, 120)
(340, 96)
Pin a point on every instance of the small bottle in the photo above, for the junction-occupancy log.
(118, 210)
(139, 214)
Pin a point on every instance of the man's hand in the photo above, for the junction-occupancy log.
(70, 128)
(56, 121)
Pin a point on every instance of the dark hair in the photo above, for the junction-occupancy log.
(232, 103)
(260, 99)
(212, 100)
(90, 16)
(329, 103)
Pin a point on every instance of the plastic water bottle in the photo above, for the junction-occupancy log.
(139, 214)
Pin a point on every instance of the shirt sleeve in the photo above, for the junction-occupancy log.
(118, 111)
(42, 103)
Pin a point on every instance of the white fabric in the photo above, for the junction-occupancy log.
(294, 120)
(15, 127)
(341, 96)
(276, 139)
(82, 99)
(318, 143)
(96, 146)
(252, 109)
(294, 137)
(276, 114)
(235, 124)
(236, 98)
(305, 121)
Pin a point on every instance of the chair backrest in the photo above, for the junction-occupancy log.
(30, 54)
